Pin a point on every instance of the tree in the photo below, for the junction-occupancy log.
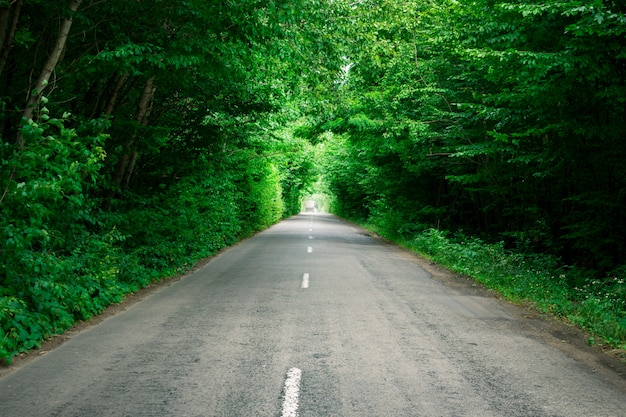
(496, 118)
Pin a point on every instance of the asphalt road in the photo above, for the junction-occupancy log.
(310, 318)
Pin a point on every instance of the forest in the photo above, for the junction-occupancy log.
(139, 137)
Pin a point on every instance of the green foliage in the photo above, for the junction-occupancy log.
(193, 220)
(20, 329)
(261, 202)
(504, 120)
(48, 226)
(344, 177)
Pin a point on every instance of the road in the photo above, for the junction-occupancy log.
(311, 318)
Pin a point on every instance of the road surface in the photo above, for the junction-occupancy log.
(311, 318)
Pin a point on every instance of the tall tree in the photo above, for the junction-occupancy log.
(497, 118)
(51, 63)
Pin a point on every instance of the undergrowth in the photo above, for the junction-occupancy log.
(65, 259)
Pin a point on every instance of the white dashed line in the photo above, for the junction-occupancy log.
(292, 392)
(310, 237)
(305, 281)
(310, 249)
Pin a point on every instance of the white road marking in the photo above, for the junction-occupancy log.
(310, 249)
(310, 237)
(292, 392)
(310, 230)
(305, 281)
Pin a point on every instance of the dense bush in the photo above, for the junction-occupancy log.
(66, 259)
(54, 261)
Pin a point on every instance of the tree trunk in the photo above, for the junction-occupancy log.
(126, 163)
(131, 168)
(114, 95)
(49, 66)
(145, 104)
(143, 114)
(4, 23)
(8, 26)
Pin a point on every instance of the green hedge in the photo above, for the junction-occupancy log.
(66, 260)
